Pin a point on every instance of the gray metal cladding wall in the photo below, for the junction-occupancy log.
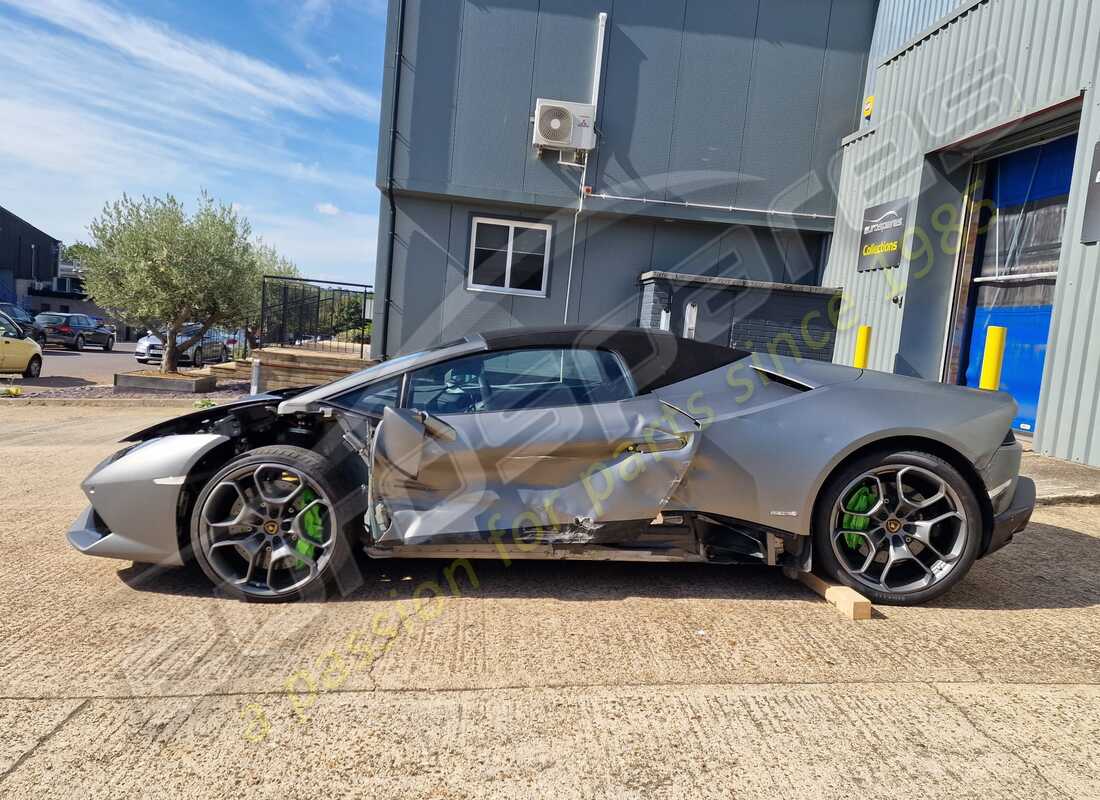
(430, 304)
(994, 62)
(898, 21)
(705, 100)
(25, 251)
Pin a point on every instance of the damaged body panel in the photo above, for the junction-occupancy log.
(579, 443)
(561, 471)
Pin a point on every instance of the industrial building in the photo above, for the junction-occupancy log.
(769, 174)
(27, 255)
(981, 149)
(705, 135)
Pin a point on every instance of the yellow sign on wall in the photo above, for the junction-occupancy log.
(869, 106)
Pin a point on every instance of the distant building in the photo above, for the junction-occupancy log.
(65, 293)
(27, 255)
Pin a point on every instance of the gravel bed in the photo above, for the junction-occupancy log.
(225, 391)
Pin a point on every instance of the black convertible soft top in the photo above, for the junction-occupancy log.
(654, 357)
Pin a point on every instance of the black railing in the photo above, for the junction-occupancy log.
(327, 316)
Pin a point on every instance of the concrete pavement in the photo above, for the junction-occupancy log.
(66, 368)
(543, 679)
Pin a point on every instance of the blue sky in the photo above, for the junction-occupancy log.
(269, 104)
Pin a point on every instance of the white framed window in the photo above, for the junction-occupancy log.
(509, 257)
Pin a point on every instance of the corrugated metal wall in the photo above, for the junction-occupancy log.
(991, 63)
(898, 21)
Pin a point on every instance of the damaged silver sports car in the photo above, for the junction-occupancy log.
(574, 443)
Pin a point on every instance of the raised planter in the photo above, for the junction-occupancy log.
(145, 382)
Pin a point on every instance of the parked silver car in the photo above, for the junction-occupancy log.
(619, 444)
(214, 347)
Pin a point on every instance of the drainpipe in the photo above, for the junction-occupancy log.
(392, 232)
(597, 72)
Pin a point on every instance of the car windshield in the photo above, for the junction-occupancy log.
(14, 311)
(51, 319)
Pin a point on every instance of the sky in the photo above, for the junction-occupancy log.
(271, 105)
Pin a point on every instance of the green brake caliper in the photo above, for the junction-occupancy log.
(861, 501)
(312, 528)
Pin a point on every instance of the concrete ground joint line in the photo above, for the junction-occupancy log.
(43, 739)
(537, 688)
(1034, 768)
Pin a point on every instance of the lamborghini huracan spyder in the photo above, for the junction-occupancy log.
(614, 444)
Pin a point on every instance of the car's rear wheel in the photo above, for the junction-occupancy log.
(78, 345)
(900, 527)
(34, 367)
(272, 525)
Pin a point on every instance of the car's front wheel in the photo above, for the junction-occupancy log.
(900, 527)
(109, 345)
(34, 367)
(274, 525)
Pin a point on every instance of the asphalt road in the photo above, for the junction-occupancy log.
(65, 368)
(563, 680)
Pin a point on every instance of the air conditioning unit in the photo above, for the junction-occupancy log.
(560, 125)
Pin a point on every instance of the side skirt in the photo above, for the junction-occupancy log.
(683, 537)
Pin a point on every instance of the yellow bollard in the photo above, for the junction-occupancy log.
(863, 346)
(994, 357)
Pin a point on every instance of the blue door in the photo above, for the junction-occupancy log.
(1026, 195)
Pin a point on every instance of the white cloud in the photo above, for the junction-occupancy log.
(315, 245)
(98, 102)
(213, 67)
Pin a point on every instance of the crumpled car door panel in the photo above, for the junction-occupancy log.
(555, 473)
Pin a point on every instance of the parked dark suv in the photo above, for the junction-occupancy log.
(23, 318)
(75, 331)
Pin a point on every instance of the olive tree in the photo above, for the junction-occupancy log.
(151, 260)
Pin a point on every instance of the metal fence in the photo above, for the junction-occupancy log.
(326, 316)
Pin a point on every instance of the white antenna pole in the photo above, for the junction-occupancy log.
(601, 28)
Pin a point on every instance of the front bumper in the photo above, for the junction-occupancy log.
(135, 500)
(91, 536)
(1015, 518)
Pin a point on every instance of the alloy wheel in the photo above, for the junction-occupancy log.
(267, 529)
(899, 528)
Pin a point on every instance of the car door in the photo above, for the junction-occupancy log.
(84, 326)
(542, 444)
(15, 349)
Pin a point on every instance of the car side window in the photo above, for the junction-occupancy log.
(519, 379)
(374, 398)
(9, 329)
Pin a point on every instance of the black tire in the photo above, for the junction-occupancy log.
(825, 511)
(196, 358)
(340, 574)
(223, 356)
(109, 345)
(78, 345)
(34, 367)
(41, 339)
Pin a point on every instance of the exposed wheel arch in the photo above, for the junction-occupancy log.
(327, 440)
(927, 445)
